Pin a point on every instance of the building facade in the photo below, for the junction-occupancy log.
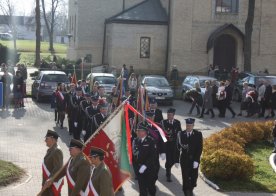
(152, 35)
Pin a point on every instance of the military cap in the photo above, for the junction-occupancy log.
(76, 143)
(141, 127)
(190, 121)
(149, 113)
(94, 98)
(52, 134)
(171, 110)
(94, 152)
(78, 89)
(152, 101)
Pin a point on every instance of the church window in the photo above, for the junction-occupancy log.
(145, 47)
(227, 6)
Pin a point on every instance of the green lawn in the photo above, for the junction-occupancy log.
(264, 179)
(9, 173)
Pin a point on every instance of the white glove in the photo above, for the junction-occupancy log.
(83, 132)
(163, 156)
(176, 165)
(195, 165)
(75, 124)
(142, 169)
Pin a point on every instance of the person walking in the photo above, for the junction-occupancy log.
(52, 163)
(132, 83)
(195, 95)
(229, 94)
(61, 104)
(244, 104)
(207, 100)
(189, 148)
(221, 98)
(171, 127)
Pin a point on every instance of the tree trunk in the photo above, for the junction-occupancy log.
(248, 35)
(37, 33)
(51, 48)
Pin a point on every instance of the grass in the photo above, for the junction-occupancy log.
(264, 179)
(9, 173)
(27, 50)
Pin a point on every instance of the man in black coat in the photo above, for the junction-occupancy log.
(144, 156)
(158, 116)
(171, 127)
(189, 145)
(99, 118)
(68, 98)
(229, 94)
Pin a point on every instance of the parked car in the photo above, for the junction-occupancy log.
(252, 80)
(189, 83)
(46, 82)
(6, 36)
(107, 80)
(158, 87)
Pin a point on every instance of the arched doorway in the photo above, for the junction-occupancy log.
(225, 52)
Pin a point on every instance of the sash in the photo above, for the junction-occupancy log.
(71, 182)
(92, 190)
(56, 187)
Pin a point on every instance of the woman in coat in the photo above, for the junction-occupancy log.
(207, 100)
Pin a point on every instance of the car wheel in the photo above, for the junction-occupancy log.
(236, 96)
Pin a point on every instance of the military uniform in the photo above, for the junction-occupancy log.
(144, 156)
(77, 171)
(158, 116)
(171, 128)
(90, 111)
(190, 147)
(69, 109)
(52, 163)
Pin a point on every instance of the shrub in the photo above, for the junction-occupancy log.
(227, 165)
(228, 133)
(8, 54)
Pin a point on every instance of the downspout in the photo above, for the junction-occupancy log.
(104, 40)
(168, 40)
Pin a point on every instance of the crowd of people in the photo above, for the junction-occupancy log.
(17, 91)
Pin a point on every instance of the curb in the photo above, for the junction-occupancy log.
(272, 160)
(29, 177)
(209, 182)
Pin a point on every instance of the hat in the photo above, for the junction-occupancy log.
(78, 89)
(141, 127)
(149, 113)
(190, 121)
(103, 105)
(171, 110)
(152, 101)
(95, 98)
(94, 152)
(51, 133)
(76, 143)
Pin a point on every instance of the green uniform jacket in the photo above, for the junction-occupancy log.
(79, 170)
(53, 160)
(102, 180)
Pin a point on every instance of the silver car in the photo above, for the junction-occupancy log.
(46, 82)
(158, 87)
(107, 80)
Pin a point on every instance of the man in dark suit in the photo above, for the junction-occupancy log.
(99, 118)
(144, 156)
(158, 116)
(171, 127)
(189, 146)
(69, 109)
(77, 113)
(229, 94)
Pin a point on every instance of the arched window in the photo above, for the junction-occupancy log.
(227, 6)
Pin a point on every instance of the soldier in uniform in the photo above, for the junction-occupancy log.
(189, 145)
(83, 105)
(171, 127)
(158, 116)
(77, 113)
(90, 111)
(144, 161)
(99, 118)
(68, 99)
(52, 163)
(101, 177)
(77, 170)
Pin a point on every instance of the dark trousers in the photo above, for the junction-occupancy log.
(146, 183)
(230, 109)
(56, 115)
(170, 147)
(70, 124)
(209, 110)
(222, 108)
(262, 104)
(194, 104)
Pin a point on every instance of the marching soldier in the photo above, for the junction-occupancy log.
(144, 161)
(77, 113)
(52, 162)
(189, 144)
(90, 111)
(68, 99)
(171, 127)
(77, 170)
(158, 116)
(101, 178)
(99, 118)
(83, 105)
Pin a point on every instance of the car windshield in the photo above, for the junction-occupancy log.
(160, 82)
(105, 80)
(55, 78)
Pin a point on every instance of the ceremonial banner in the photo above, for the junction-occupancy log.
(74, 78)
(114, 138)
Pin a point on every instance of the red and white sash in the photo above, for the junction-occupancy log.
(71, 183)
(92, 189)
(56, 187)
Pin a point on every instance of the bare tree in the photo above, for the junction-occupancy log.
(50, 20)
(8, 10)
(248, 35)
(37, 33)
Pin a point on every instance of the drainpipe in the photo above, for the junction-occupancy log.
(168, 40)
(104, 40)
